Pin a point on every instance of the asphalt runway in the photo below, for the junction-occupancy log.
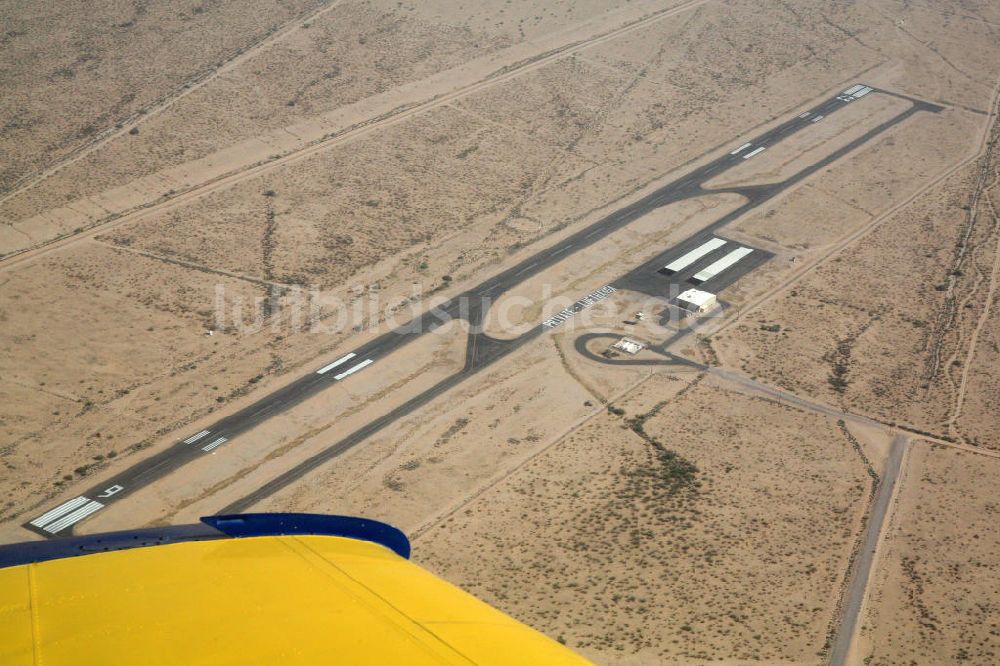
(472, 306)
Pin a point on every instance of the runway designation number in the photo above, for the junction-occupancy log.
(112, 490)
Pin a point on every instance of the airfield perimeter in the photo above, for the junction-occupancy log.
(483, 349)
(745, 487)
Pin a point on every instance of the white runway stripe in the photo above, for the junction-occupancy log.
(351, 371)
(60, 510)
(741, 148)
(74, 517)
(339, 361)
(212, 445)
(194, 438)
(753, 152)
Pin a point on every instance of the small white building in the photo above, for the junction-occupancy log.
(629, 346)
(696, 300)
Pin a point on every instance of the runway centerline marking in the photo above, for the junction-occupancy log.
(340, 361)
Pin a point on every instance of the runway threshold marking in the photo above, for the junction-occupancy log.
(340, 361)
(60, 510)
(71, 519)
(753, 152)
(350, 371)
(194, 438)
(582, 304)
(66, 514)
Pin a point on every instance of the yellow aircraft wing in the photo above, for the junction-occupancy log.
(256, 589)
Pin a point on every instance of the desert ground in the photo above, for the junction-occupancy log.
(935, 592)
(201, 205)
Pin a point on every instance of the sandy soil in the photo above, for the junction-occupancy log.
(350, 66)
(630, 562)
(865, 329)
(935, 592)
(75, 73)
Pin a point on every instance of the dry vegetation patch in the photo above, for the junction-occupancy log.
(348, 208)
(72, 73)
(863, 329)
(347, 54)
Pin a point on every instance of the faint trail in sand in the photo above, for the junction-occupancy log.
(360, 129)
(984, 315)
(178, 93)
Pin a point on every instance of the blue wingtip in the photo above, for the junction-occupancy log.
(279, 524)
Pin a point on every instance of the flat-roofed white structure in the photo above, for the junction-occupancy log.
(714, 269)
(629, 346)
(697, 300)
(694, 255)
(854, 92)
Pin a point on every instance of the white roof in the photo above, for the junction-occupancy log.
(694, 255)
(630, 346)
(697, 297)
(709, 272)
